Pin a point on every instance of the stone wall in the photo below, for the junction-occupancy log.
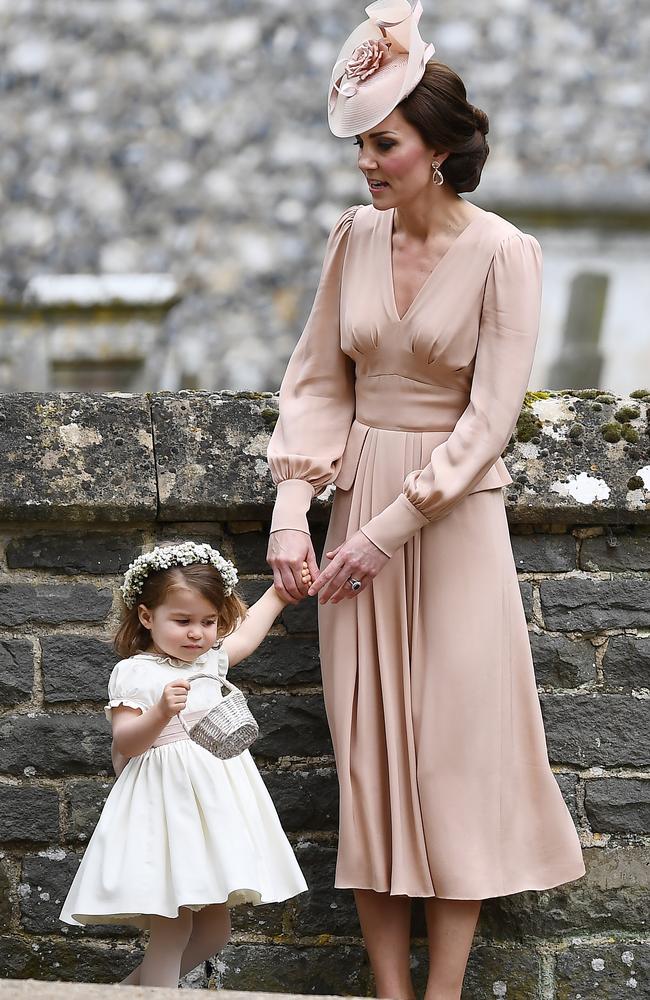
(86, 480)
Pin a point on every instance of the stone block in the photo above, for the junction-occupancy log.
(321, 969)
(53, 603)
(582, 605)
(544, 553)
(28, 813)
(562, 663)
(5, 902)
(76, 457)
(76, 667)
(291, 725)
(526, 590)
(607, 971)
(301, 617)
(54, 745)
(67, 961)
(626, 663)
(281, 660)
(323, 909)
(16, 671)
(45, 880)
(631, 552)
(612, 895)
(73, 552)
(248, 549)
(305, 800)
(597, 730)
(85, 801)
(266, 920)
(567, 783)
(618, 805)
(491, 972)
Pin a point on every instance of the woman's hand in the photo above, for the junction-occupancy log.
(174, 698)
(288, 550)
(358, 558)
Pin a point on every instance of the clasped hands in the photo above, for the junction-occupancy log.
(357, 558)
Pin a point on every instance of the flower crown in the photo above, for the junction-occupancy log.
(167, 556)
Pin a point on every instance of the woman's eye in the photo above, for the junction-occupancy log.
(385, 146)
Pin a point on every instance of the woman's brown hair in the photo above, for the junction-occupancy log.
(132, 637)
(438, 108)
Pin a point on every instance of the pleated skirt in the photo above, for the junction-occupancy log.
(445, 783)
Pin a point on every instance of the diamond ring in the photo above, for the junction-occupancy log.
(355, 584)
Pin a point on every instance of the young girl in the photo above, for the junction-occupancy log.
(183, 836)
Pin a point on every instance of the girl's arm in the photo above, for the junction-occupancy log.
(259, 618)
(135, 731)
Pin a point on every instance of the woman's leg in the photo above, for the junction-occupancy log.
(168, 938)
(450, 929)
(386, 927)
(210, 933)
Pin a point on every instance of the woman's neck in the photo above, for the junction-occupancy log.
(429, 215)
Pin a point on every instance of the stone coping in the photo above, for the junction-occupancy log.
(578, 456)
(33, 989)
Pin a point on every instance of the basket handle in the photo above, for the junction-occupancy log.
(223, 681)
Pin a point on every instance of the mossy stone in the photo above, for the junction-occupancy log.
(270, 416)
(577, 432)
(630, 434)
(640, 394)
(528, 426)
(605, 397)
(627, 413)
(635, 483)
(611, 432)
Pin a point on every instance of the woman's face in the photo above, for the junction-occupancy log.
(395, 161)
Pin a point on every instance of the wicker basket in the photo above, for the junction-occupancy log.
(227, 729)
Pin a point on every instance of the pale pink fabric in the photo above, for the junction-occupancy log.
(174, 731)
(429, 686)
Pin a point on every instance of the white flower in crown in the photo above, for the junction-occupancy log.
(167, 556)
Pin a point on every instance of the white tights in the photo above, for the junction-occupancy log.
(178, 944)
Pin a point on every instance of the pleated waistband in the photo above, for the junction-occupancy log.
(174, 731)
(392, 402)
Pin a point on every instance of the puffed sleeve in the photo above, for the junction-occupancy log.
(504, 357)
(316, 398)
(123, 690)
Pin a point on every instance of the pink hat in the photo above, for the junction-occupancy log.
(380, 63)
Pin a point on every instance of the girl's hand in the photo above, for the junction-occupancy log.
(174, 697)
(288, 551)
(358, 558)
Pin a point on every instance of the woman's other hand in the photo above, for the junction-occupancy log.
(358, 558)
(287, 553)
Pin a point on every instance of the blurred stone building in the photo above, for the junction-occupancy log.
(167, 181)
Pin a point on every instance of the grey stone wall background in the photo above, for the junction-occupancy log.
(149, 136)
(71, 520)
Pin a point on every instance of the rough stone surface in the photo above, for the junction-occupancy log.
(16, 671)
(491, 972)
(53, 604)
(91, 552)
(544, 553)
(567, 783)
(290, 725)
(85, 800)
(71, 456)
(28, 813)
(591, 730)
(301, 617)
(54, 745)
(340, 970)
(589, 605)
(67, 961)
(618, 805)
(562, 663)
(631, 552)
(5, 900)
(282, 661)
(613, 972)
(76, 667)
(527, 599)
(626, 663)
(305, 800)
(320, 910)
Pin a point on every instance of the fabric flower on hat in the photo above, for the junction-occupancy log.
(363, 62)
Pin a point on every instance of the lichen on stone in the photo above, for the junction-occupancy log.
(270, 416)
(528, 426)
(640, 394)
(635, 483)
(531, 397)
(577, 432)
(605, 397)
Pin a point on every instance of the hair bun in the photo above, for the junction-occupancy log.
(481, 121)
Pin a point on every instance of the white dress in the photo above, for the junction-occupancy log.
(180, 827)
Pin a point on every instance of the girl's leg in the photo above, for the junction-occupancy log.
(386, 926)
(210, 933)
(168, 939)
(450, 928)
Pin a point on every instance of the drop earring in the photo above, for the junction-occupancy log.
(438, 179)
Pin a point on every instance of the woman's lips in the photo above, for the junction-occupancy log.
(377, 185)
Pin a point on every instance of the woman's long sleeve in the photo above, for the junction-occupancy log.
(316, 398)
(506, 346)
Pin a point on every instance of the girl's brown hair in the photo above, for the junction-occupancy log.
(132, 637)
(438, 108)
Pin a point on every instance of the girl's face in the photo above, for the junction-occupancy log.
(183, 626)
(396, 162)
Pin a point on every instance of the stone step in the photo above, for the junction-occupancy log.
(32, 989)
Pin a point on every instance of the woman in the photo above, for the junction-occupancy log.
(403, 391)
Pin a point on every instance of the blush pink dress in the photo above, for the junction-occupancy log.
(445, 784)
